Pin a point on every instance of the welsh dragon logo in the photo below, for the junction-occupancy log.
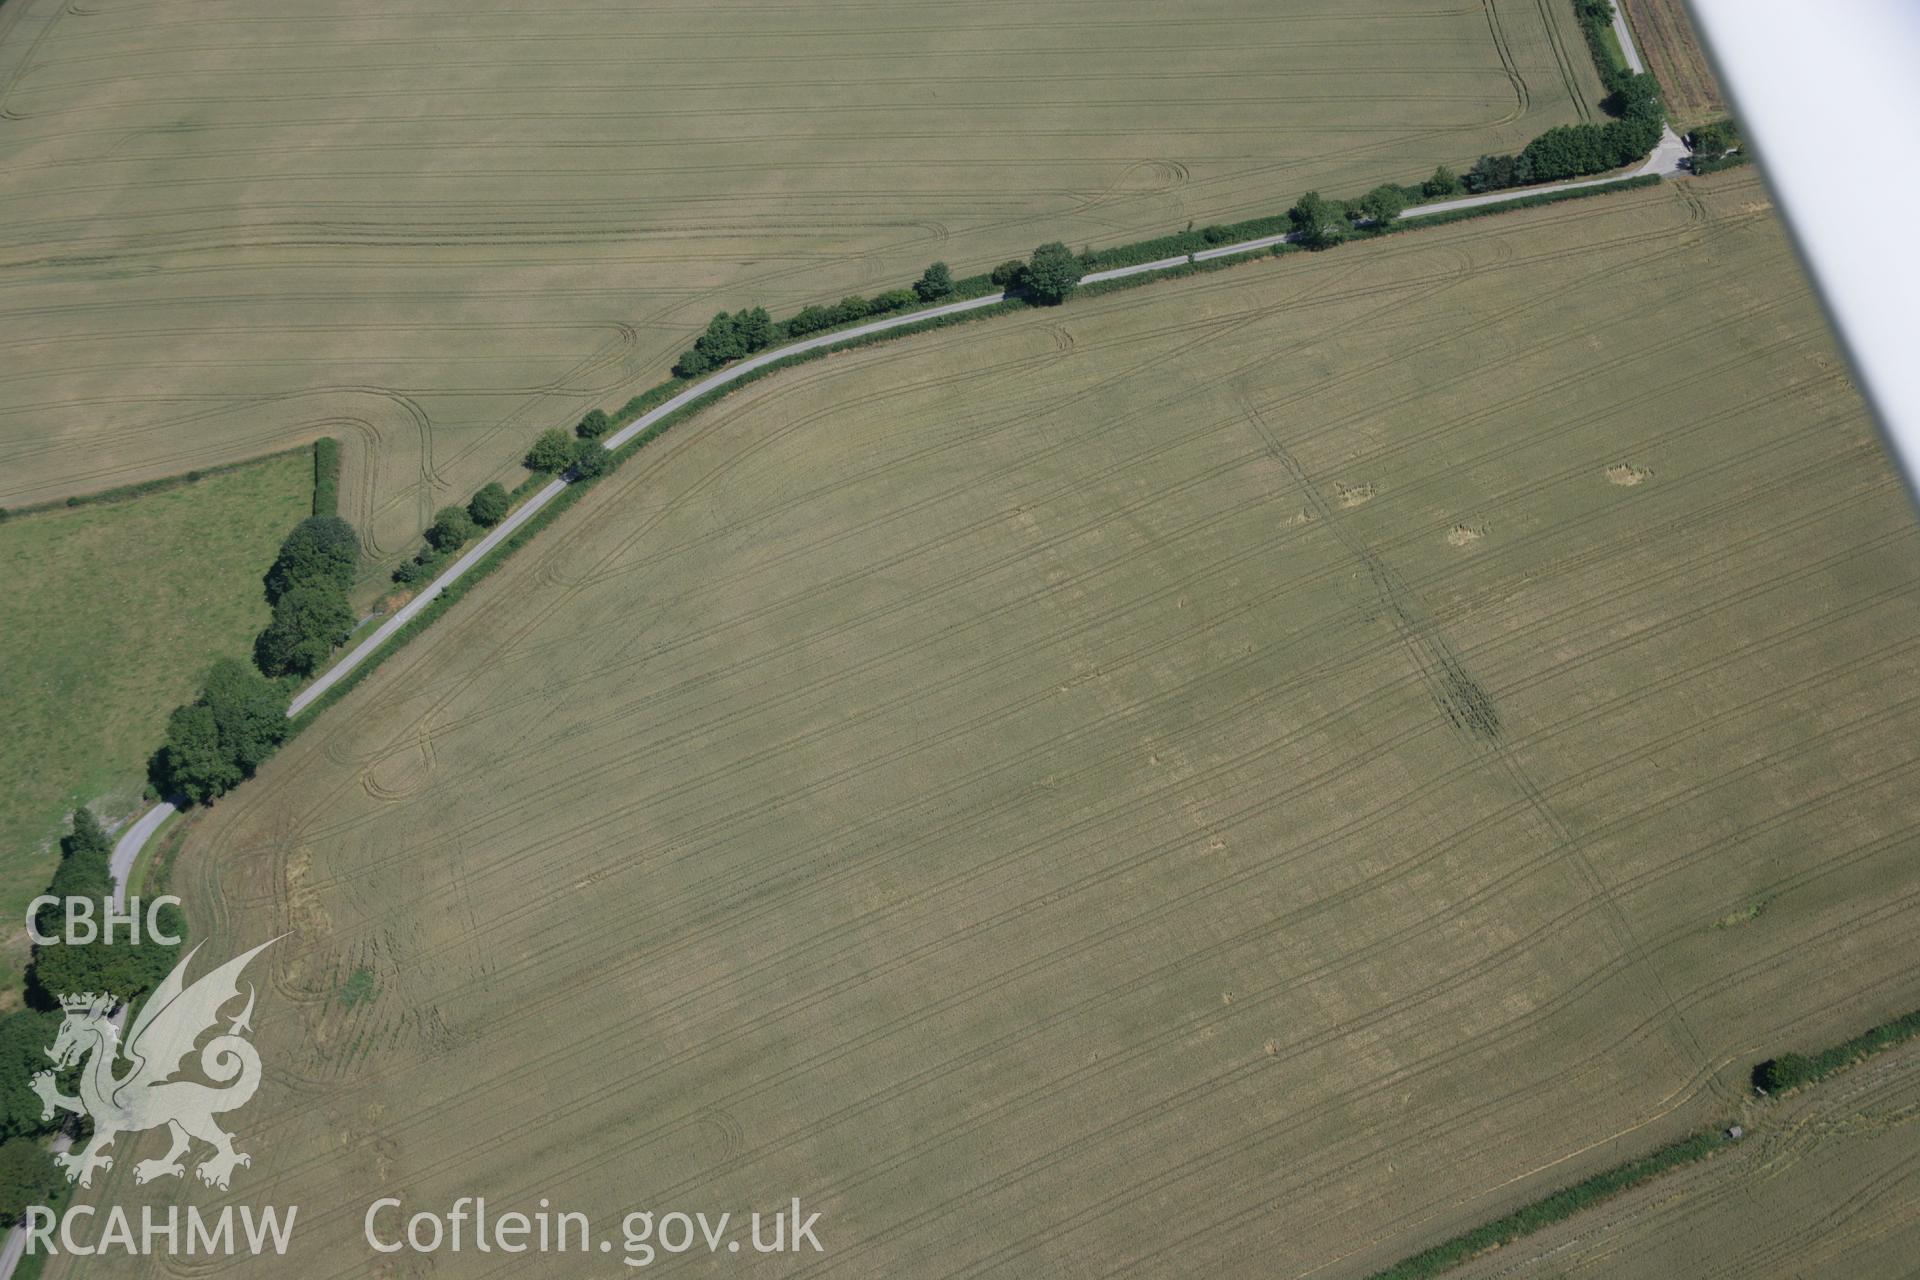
(148, 1096)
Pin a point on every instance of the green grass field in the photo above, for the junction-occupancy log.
(435, 233)
(1252, 774)
(114, 611)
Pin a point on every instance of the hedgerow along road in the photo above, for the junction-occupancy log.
(1664, 162)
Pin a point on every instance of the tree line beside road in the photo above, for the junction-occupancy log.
(309, 586)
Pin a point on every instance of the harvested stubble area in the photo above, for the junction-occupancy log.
(233, 226)
(1830, 1188)
(1054, 795)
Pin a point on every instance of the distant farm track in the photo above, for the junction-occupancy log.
(493, 219)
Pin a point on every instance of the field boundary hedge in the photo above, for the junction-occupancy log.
(1791, 1071)
(1604, 187)
(160, 484)
(1364, 233)
(1551, 1208)
(1189, 241)
(326, 476)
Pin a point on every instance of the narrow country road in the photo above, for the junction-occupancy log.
(1625, 33)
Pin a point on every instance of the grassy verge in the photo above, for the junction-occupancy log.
(1557, 1207)
(1603, 42)
(1610, 44)
(1188, 241)
(1100, 288)
(152, 872)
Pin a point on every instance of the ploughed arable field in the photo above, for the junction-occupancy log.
(1248, 775)
(434, 232)
(1832, 1188)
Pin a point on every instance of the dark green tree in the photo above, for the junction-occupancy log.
(419, 569)
(1566, 151)
(1494, 173)
(590, 460)
(1444, 182)
(935, 283)
(249, 711)
(124, 969)
(594, 425)
(1052, 273)
(754, 328)
(28, 1176)
(87, 837)
(1714, 140)
(452, 527)
(1383, 204)
(192, 764)
(83, 872)
(721, 342)
(308, 623)
(1011, 274)
(25, 1036)
(121, 966)
(1317, 221)
(810, 319)
(1777, 1075)
(1636, 96)
(86, 876)
(551, 452)
(489, 506)
(320, 549)
(1625, 141)
(728, 337)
